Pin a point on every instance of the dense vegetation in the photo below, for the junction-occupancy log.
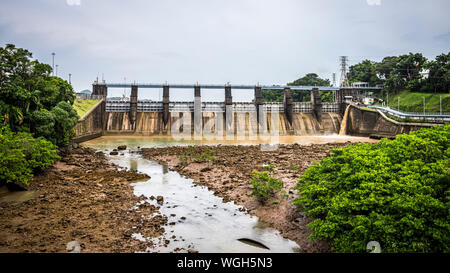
(404, 72)
(395, 192)
(36, 115)
(21, 155)
(310, 79)
(31, 100)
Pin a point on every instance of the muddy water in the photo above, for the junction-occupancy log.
(196, 218)
(133, 141)
(15, 196)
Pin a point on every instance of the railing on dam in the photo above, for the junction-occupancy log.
(332, 107)
(187, 106)
(414, 115)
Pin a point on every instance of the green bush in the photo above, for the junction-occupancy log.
(395, 192)
(264, 185)
(21, 155)
(269, 167)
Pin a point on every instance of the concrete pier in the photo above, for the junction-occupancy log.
(316, 102)
(133, 106)
(165, 105)
(197, 113)
(288, 105)
(259, 101)
(229, 115)
(100, 90)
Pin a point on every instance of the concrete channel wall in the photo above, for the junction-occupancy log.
(374, 123)
(91, 125)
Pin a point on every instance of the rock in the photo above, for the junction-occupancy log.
(122, 147)
(114, 153)
(206, 169)
(75, 145)
(159, 199)
(73, 247)
(192, 251)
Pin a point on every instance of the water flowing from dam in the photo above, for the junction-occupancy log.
(343, 130)
(303, 124)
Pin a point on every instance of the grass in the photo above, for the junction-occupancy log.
(413, 101)
(83, 106)
(368, 109)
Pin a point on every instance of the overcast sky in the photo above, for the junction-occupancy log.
(219, 41)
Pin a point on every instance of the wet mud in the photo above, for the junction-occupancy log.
(82, 198)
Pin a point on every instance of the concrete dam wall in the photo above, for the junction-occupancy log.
(151, 123)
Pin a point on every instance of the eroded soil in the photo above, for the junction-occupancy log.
(227, 171)
(82, 198)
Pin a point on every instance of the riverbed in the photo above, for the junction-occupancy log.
(208, 213)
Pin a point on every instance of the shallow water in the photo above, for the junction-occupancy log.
(210, 225)
(15, 196)
(133, 141)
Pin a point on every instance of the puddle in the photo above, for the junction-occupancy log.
(15, 196)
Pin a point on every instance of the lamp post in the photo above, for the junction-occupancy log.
(70, 76)
(56, 70)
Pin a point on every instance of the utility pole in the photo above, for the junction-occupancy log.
(344, 80)
(53, 63)
(56, 70)
(70, 76)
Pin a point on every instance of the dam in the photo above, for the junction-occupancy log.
(216, 118)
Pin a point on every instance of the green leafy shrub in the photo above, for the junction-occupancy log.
(395, 192)
(21, 155)
(264, 185)
(269, 167)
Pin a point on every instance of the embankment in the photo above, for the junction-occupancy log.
(91, 124)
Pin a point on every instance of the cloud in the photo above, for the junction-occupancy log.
(73, 2)
(373, 2)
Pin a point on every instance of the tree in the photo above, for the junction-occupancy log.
(439, 74)
(65, 119)
(364, 72)
(26, 86)
(310, 79)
